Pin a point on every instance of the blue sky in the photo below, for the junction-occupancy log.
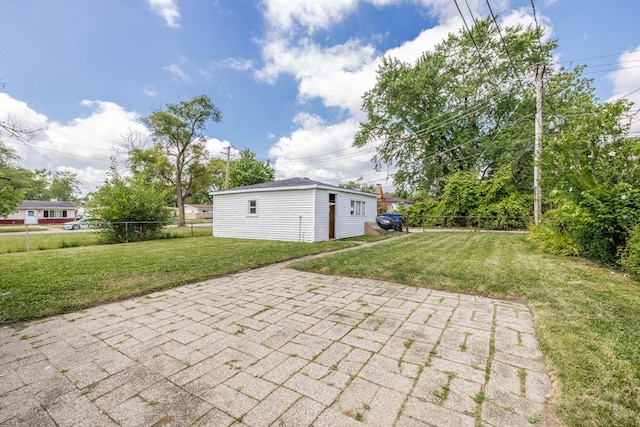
(287, 74)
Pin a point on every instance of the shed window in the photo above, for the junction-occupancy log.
(358, 208)
(253, 207)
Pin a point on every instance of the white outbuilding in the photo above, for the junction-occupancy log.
(296, 210)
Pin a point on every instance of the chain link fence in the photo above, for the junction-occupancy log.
(502, 223)
(27, 238)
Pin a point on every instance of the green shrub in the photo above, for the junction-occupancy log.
(130, 210)
(509, 213)
(421, 213)
(631, 255)
(552, 239)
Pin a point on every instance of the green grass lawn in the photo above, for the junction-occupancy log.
(18, 228)
(71, 238)
(44, 283)
(588, 316)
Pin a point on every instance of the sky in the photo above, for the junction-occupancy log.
(287, 75)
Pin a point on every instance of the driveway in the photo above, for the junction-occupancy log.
(274, 346)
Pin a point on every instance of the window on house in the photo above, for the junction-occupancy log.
(64, 214)
(357, 208)
(46, 214)
(253, 207)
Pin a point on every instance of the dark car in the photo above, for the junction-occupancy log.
(388, 222)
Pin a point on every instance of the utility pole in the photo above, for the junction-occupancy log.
(226, 175)
(537, 204)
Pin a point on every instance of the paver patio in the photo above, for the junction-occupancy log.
(275, 346)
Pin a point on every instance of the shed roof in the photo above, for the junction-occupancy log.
(290, 184)
(40, 204)
(198, 206)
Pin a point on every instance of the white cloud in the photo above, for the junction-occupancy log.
(13, 110)
(84, 145)
(151, 92)
(626, 80)
(323, 151)
(178, 72)
(218, 148)
(168, 10)
(282, 15)
(340, 74)
(238, 64)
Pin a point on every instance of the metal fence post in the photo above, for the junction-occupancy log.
(26, 226)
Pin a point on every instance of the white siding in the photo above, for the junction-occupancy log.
(289, 215)
(282, 215)
(322, 215)
(348, 225)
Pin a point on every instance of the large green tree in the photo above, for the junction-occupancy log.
(45, 185)
(179, 155)
(13, 180)
(466, 105)
(359, 185)
(248, 170)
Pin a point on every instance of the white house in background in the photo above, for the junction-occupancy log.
(296, 209)
(41, 212)
(192, 211)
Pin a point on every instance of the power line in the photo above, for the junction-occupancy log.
(535, 19)
(506, 49)
(596, 57)
(473, 40)
(611, 69)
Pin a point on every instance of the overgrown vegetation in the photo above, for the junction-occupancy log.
(586, 315)
(129, 209)
(461, 134)
(45, 283)
(596, 196)
(495, 203)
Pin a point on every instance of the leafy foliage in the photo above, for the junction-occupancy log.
(129, 209)
(179, 156)
(631, 257)
(247, 170)
(359, 185)
(595, 181)
(46, 185)
(494, 203)
(448, 113)
(13, 179)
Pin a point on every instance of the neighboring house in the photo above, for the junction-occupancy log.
(387, 203)
(198, 212)
(296, 209)
(41, 212)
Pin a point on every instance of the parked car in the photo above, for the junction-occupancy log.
(390, 221)
(80, 224)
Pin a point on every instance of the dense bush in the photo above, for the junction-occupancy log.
(495, 203)
(130, 210)
(595, 181)
(631, 255)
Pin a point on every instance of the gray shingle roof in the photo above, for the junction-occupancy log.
(291, 182)
(288, 183)
(39, 204)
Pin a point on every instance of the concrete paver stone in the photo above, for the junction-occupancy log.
(279, 347)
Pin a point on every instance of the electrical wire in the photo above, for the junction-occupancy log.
(506, 49)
